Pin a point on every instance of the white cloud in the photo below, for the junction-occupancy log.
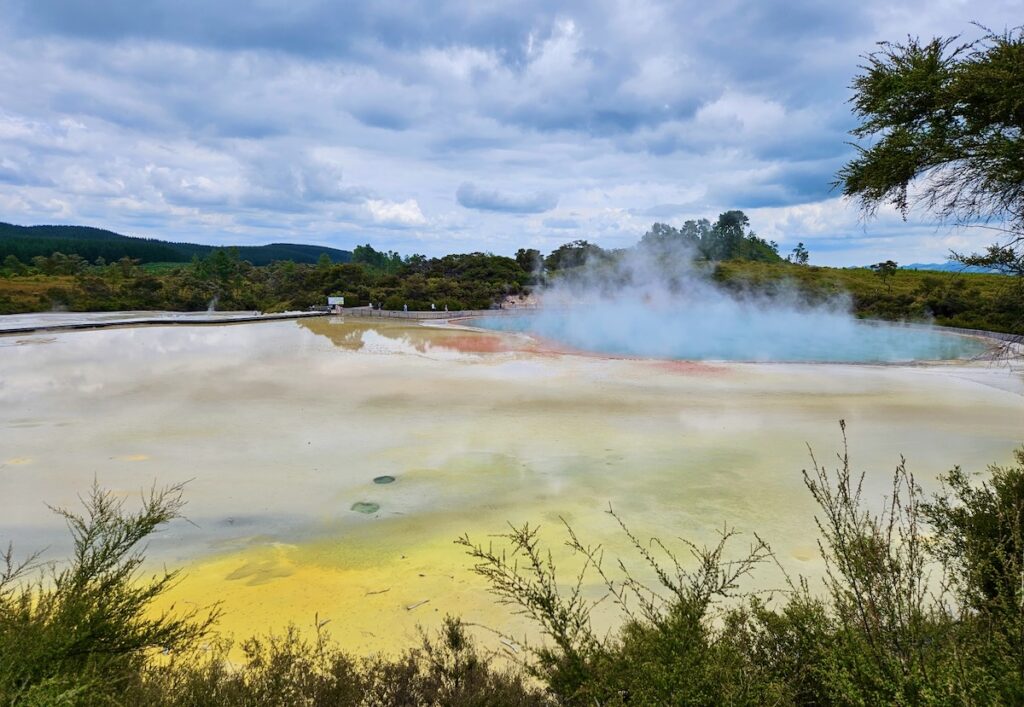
(392, 213)
(747, 113)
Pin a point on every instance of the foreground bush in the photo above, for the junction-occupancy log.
(78, 634)
(82, 636)
(289, 670)
(922, 605)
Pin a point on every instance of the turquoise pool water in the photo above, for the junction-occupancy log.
(755, 335)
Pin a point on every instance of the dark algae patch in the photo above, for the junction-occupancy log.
(365, 507)
(381, 480)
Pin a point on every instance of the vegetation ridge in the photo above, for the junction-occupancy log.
(27, 242)
(736, 262)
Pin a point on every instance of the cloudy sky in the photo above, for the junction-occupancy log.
(448, 126)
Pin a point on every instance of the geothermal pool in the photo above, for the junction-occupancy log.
(738, 334)
(285, 429)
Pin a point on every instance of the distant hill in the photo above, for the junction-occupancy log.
(950, 266)
(26, 242)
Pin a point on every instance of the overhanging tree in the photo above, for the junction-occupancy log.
(946, 120)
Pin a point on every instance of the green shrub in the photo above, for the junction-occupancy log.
(85, 635)
(77, 635)
(886, 630)
(922, 604)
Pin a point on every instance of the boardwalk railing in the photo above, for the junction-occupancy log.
(430, 314)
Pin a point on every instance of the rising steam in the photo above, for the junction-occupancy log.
(661, 305)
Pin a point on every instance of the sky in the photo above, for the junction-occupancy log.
(441, 126)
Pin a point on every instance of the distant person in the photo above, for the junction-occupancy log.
(432, 307)
(405, 308)
(446, 308)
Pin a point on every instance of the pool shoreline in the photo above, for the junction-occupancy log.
(1011, 345)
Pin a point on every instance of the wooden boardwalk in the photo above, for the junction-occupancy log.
(156, 321)
(213, 319)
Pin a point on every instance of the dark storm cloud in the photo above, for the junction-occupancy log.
(302, 27)
(378, 117)
(18, 175)
(783, 185)
(473, 197)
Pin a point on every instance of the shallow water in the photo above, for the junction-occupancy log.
(285, 430)
(740, 334)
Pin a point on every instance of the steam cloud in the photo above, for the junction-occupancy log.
(661, 305)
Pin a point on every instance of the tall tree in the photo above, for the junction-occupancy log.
(945, 120)
(728, 235)
(885, 270)
(800, 254)
(573, 255)
(529, 259)
(664, 240)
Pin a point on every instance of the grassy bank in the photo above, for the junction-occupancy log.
(32, 293)
(967, 300)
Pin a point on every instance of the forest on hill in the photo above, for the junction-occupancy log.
(92, 244)
(726, 252)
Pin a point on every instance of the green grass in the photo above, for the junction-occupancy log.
(30, 293)
(968, 300)
(160, 268)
